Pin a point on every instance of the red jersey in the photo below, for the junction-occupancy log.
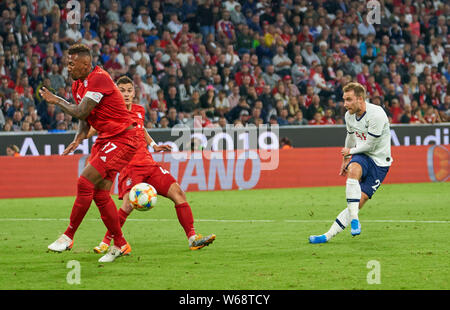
(143, 157)
(110, 116)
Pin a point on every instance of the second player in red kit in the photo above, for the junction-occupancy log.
(142, 168)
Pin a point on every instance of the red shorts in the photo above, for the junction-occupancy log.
(110, 155)
(154, 175)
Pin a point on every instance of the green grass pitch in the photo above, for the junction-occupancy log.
(262, 242)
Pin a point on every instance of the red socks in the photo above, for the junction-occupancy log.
(184, 214)
(109, 215)
(122, 218)
(85, 194)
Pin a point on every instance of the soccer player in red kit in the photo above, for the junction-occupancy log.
(99, 104)
(142, 168)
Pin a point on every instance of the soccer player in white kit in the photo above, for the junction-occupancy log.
(366, 157)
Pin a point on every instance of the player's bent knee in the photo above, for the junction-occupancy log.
(90, 173)
(354, 171)
(126, 205)
(176, 194)
(364, 199)
(104, 184)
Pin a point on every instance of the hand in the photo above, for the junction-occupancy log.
(345, 151)
(163, 147)
(48, 95)
(343, 170)
(72, 146)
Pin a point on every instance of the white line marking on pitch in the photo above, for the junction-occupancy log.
(233, 221)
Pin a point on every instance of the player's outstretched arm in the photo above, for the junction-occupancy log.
(156, 147)
(368, 146)
(82, 133)
(80, 111)
(92, 132)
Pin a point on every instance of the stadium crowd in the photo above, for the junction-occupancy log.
(230, 62)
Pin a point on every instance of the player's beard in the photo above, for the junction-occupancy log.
(75, 77)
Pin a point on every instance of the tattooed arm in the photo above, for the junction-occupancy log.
(82, 133)
(80, 111)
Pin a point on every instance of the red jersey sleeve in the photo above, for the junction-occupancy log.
(100, 83)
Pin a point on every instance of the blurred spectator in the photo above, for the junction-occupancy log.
(281, 62)
(12, 150)
(282, 118)
(317, 119)
(172, 117)
(285, 143)
(222, 105)
(298, 119)
(245, 50)
(208, 100)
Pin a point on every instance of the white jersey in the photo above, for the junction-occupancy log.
(374, 122)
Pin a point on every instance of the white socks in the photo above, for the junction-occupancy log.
(342, 221)
(353, 194)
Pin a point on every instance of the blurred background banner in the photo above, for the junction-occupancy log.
(43, 143)
(45, 176)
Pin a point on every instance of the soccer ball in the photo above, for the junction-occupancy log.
(143, 197)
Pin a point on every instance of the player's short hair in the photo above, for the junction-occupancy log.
(124, 80)
(79, 49)
(358, 89)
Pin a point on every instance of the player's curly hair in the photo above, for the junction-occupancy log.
(79, 49)
(358, 89)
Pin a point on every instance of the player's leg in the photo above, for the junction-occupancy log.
(355, 199)
(125, 184)
(123, 213)
(353, 195)
(339, 224)
(109, 161)
(110, 217)
(343, 219)
(186, 219)
(85, 194)
(166, 185)
(182, 208)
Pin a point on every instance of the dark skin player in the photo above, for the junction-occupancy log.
(79, 67)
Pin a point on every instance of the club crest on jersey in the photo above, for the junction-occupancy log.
(129, 181)
(139, 115)
(85, 83)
